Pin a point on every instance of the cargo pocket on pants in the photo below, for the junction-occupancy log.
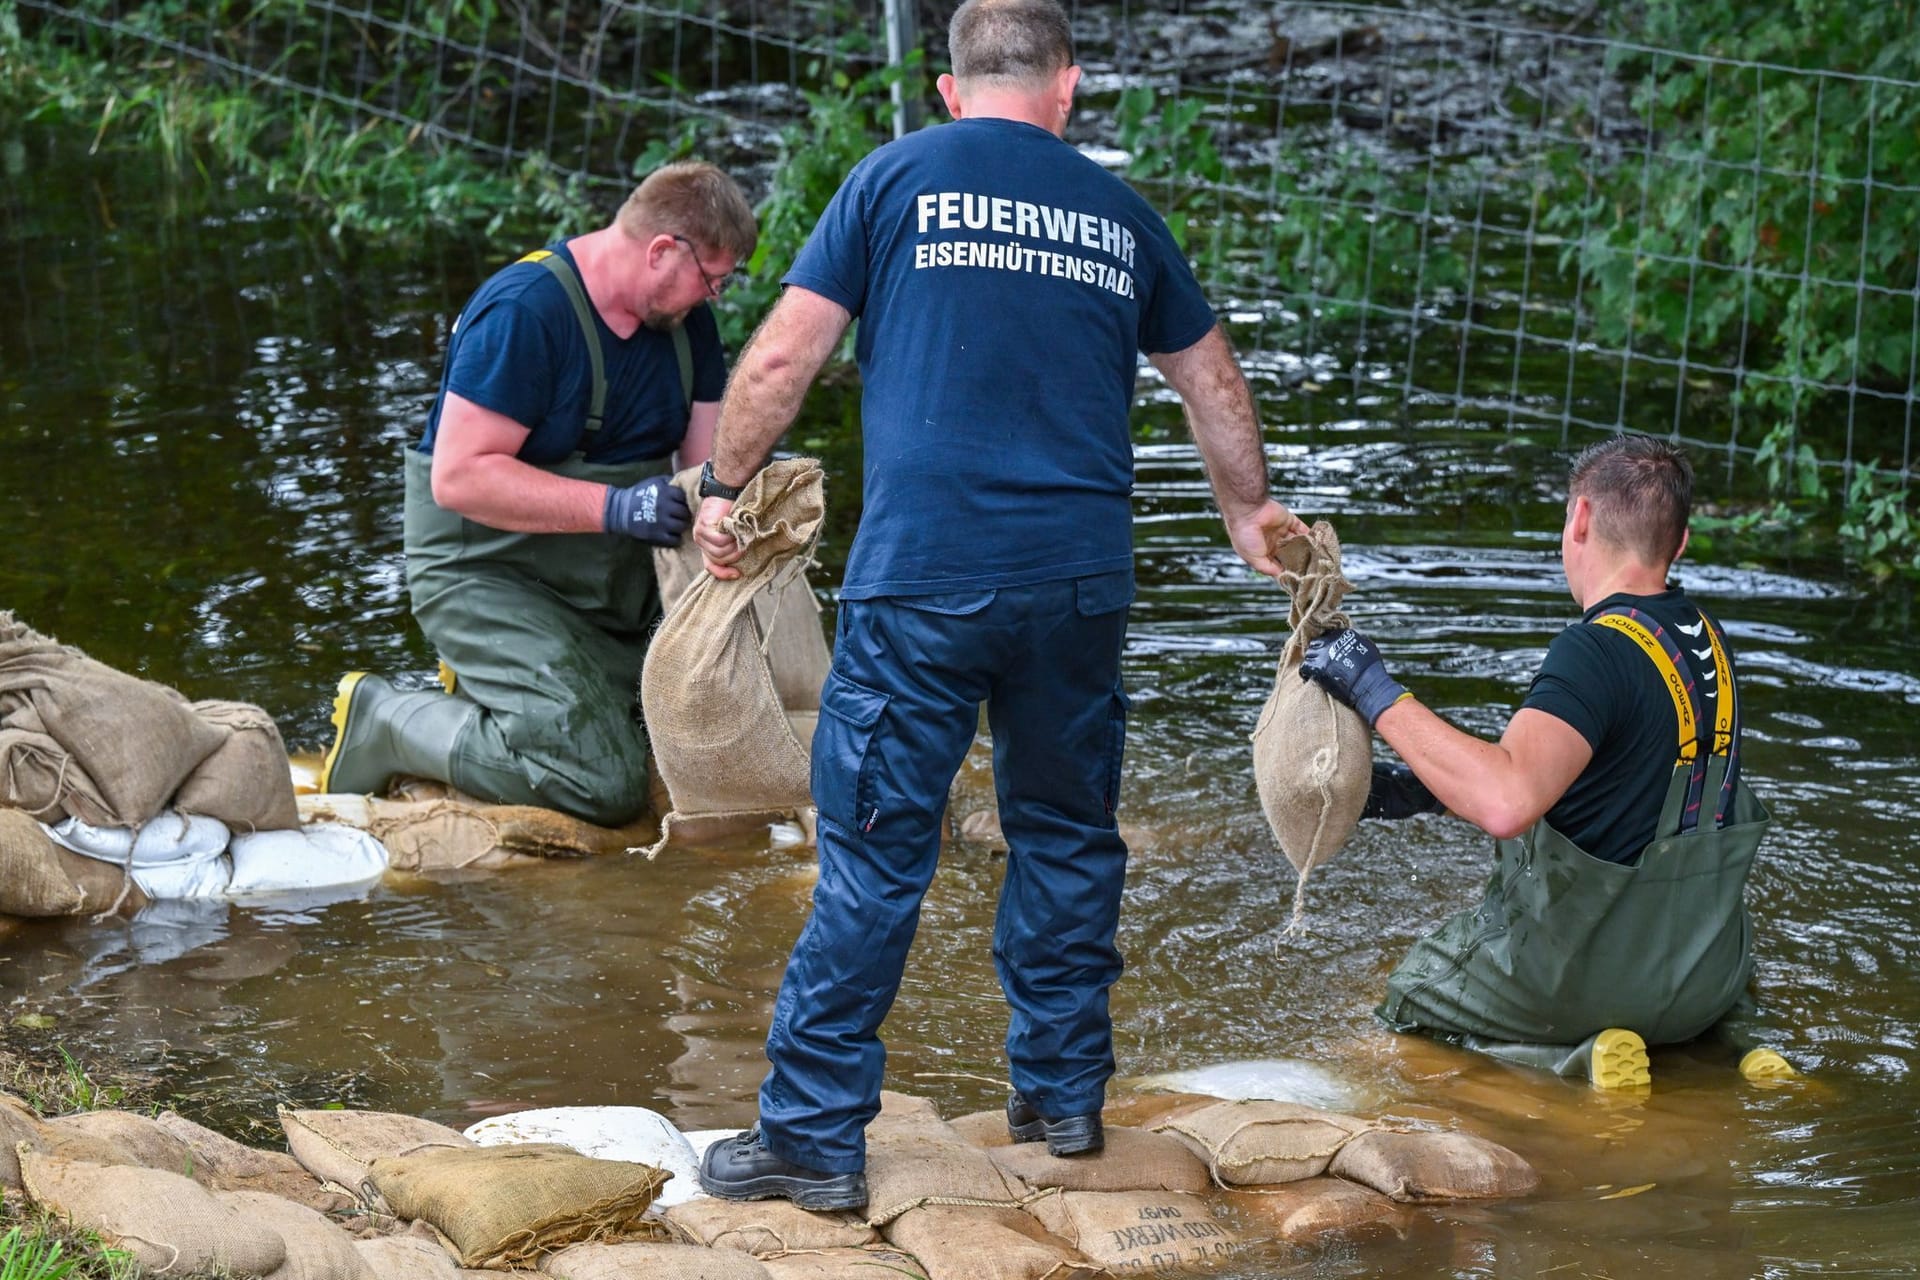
(844, 788)
(1116, 749)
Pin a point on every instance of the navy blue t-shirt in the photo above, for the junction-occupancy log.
(1610, 691)
(1005, 285)
(517, 349)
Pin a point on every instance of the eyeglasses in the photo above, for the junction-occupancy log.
(716, 285)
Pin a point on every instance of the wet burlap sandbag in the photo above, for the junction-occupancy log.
(18, 1123)
(79, 739)
(873, 1263)
(502, 1206)
(39, 879)
(225, 1165)
(1312, 754)
(341, 1146)
(1434, 1165)
(245, 782)
(1132, 1160)
(1251, 1143)
(764, 1226)
(460, 834)
(1301, 1211)
(1137, 1232)
(788, 613)
(167, 1221)
(408, 1258)
(119, 1137)
(316, 1248)
(954, 1242)
(721, 738)
(652, 1262)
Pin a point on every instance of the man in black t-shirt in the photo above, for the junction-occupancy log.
(1623, 830)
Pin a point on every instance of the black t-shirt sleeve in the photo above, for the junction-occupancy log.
(1578, 683)
(709, 355)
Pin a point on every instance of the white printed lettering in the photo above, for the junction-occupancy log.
(927, 205)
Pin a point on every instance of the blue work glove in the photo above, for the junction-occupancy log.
(1396, 793)
(653, 511)
(1347, 665)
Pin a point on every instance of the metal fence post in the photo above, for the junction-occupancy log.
(903, 36)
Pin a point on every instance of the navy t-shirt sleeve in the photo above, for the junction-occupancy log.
(833, 262)
(1578, 683)
(1178, 314)
(504, 361)
(709, 355)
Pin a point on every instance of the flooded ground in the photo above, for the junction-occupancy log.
(199, 428)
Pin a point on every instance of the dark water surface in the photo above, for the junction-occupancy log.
(199, 427)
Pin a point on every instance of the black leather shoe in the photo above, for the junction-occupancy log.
(741, 1168)
(1070, 1136)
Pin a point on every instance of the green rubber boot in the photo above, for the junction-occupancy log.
(380, 732)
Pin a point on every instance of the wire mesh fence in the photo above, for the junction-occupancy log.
(1415, 213)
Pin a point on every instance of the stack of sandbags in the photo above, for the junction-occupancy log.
(1312, 754)
(722, 740)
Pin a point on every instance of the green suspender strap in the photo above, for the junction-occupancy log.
(583, 311)
(1698, 747)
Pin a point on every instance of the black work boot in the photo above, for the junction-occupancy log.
(741, 1168)
(1068, 1136)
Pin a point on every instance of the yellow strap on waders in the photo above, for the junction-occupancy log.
(1670, 676)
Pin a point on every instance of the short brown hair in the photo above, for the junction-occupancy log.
(1015, 40)
(693, 199)
(1641, 491)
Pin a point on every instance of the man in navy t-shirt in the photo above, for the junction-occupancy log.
(1005, 286)
(1624, 831)
(534, 499)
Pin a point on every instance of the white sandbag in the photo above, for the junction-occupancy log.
(173, 857)
(1274, 1079)
(322, 855)
(606, 1133)
(170, 837)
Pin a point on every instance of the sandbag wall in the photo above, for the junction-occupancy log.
(369, 1195)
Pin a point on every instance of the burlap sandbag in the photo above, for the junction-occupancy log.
(316, 1248)
(875, 1263)
(983, 1128)
(1432, 1165)
(1131, 1232)
(225, 1165)
(721, 738)
(788, 613)
(167, 1221)
(18, 1124)
(651, 1262)
(764, 1226)
(970, 1243)
(505, 1205)
(340, 1146)
(1132, 1160)
(39, 879)
(1302, 1211)
(454, 834)
(245, 783)
(132, 1139)
(1253, 1143)
(406, 1258)
(79, 738)
(1312, 754)
(914, 1158)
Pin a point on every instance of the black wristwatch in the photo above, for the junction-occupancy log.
(712, 488)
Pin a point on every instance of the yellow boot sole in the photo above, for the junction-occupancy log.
(342, 699)
(1765, 1064)
(1619, 1061)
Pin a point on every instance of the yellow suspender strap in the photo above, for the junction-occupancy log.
(1670, 676)
(1723, 697)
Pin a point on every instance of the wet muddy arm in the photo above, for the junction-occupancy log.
(1501, 787)
(1226, 427)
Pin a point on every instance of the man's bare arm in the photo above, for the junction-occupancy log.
(1503, 788)
(476, 474)
(1226, 427)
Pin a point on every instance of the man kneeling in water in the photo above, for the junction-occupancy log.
(1623, 829)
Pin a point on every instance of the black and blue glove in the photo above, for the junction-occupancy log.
(1347, 665)
(653, 511)
(1396, 793)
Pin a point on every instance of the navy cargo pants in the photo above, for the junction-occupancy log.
(898, 712)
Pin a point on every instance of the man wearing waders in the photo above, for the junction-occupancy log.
(1623, 828)
(535, 498)
(1005, 286)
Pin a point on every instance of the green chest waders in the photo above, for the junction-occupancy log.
(547, 632)
(1564, 945)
